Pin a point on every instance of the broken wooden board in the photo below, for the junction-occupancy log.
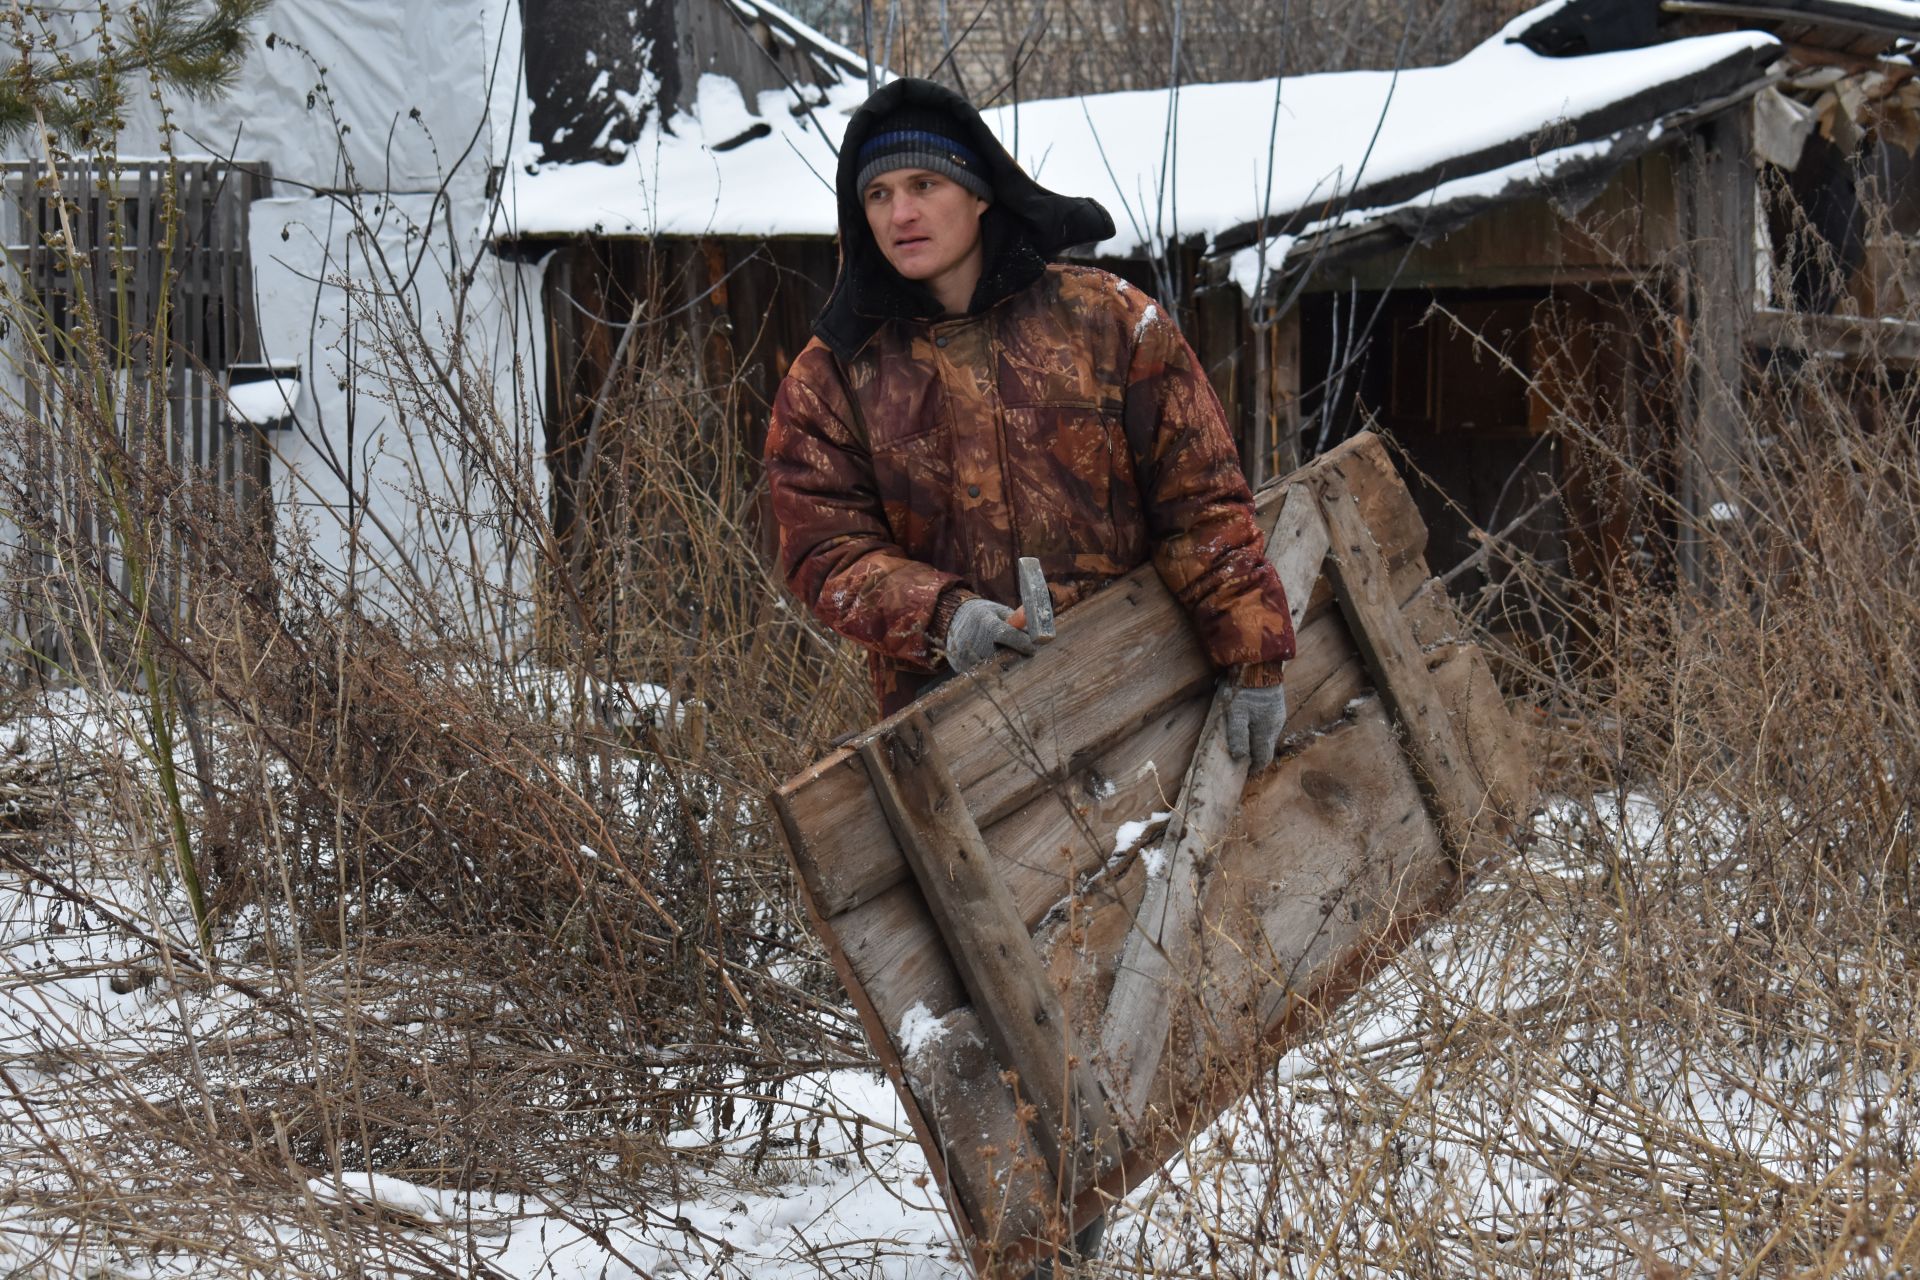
(962, 861)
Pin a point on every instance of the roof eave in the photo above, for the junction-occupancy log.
(1408, 223)
(1711, 89)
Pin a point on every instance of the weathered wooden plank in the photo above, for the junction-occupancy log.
(1399, 670)
(1717, 208)
(1338, 821)
(892, 959)
(990, 948)
(949, 1090)
(1057, 845)
(1499, 743)
(1315, 805)
(1286, 380)
(1134, 653)
(1134, 1036)
(987, 1152)
(893, 943)
(1056, 850)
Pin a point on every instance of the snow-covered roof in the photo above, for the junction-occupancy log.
(786, 29)
(1176, 165)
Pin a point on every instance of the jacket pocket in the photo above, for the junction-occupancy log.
(1073, 487)
(914, 476)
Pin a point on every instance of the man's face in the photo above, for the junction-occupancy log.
(926, 224)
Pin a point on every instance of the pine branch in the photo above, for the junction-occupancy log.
(199, 55)
(185, 45)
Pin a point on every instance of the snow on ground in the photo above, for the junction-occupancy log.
(72, 1019)
(857, 1209)
(857, 1203)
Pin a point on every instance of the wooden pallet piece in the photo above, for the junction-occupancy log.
(1338, 858)
(991, 948)
(1458, 794)
(1141, 664)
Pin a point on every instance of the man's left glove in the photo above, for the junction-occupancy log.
(1254, 720)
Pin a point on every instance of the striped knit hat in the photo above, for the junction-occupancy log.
(916, 138)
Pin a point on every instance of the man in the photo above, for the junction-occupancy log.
(967, 401)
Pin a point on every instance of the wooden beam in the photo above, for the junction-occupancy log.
(1854, 20)
(1888, 339)
(1716, 205)
(1360, 580)
(1005, 981)
(1133, 1036)
(1286, 392)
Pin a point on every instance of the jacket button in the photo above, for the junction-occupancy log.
(940, 341)
(973, 491)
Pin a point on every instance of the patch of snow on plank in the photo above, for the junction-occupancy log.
(1156, 861)
(919, 1030)
(1131, 833)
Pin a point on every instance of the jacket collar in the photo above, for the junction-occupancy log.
(1025, 228)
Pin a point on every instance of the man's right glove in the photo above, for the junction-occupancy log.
(1254, 720)
(979, 627)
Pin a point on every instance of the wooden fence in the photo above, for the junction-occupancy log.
(110, 270)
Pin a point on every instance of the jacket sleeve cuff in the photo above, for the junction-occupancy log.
(1258, 675)
(943, 610)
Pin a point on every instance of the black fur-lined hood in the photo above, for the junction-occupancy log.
(1025, 228)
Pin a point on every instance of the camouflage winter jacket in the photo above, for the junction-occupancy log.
(913, 459)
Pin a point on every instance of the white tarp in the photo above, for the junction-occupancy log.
(379, 120)
(367, 315)
(383, 94)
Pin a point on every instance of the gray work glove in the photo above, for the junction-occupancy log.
(1254, 720)
(980, 626)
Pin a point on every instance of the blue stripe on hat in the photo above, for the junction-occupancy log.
(917, 135)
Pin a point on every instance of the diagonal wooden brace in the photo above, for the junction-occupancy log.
(1011, 993)
(1456, 794)
(1139, 1013)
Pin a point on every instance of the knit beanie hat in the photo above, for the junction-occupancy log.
(918, 138)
